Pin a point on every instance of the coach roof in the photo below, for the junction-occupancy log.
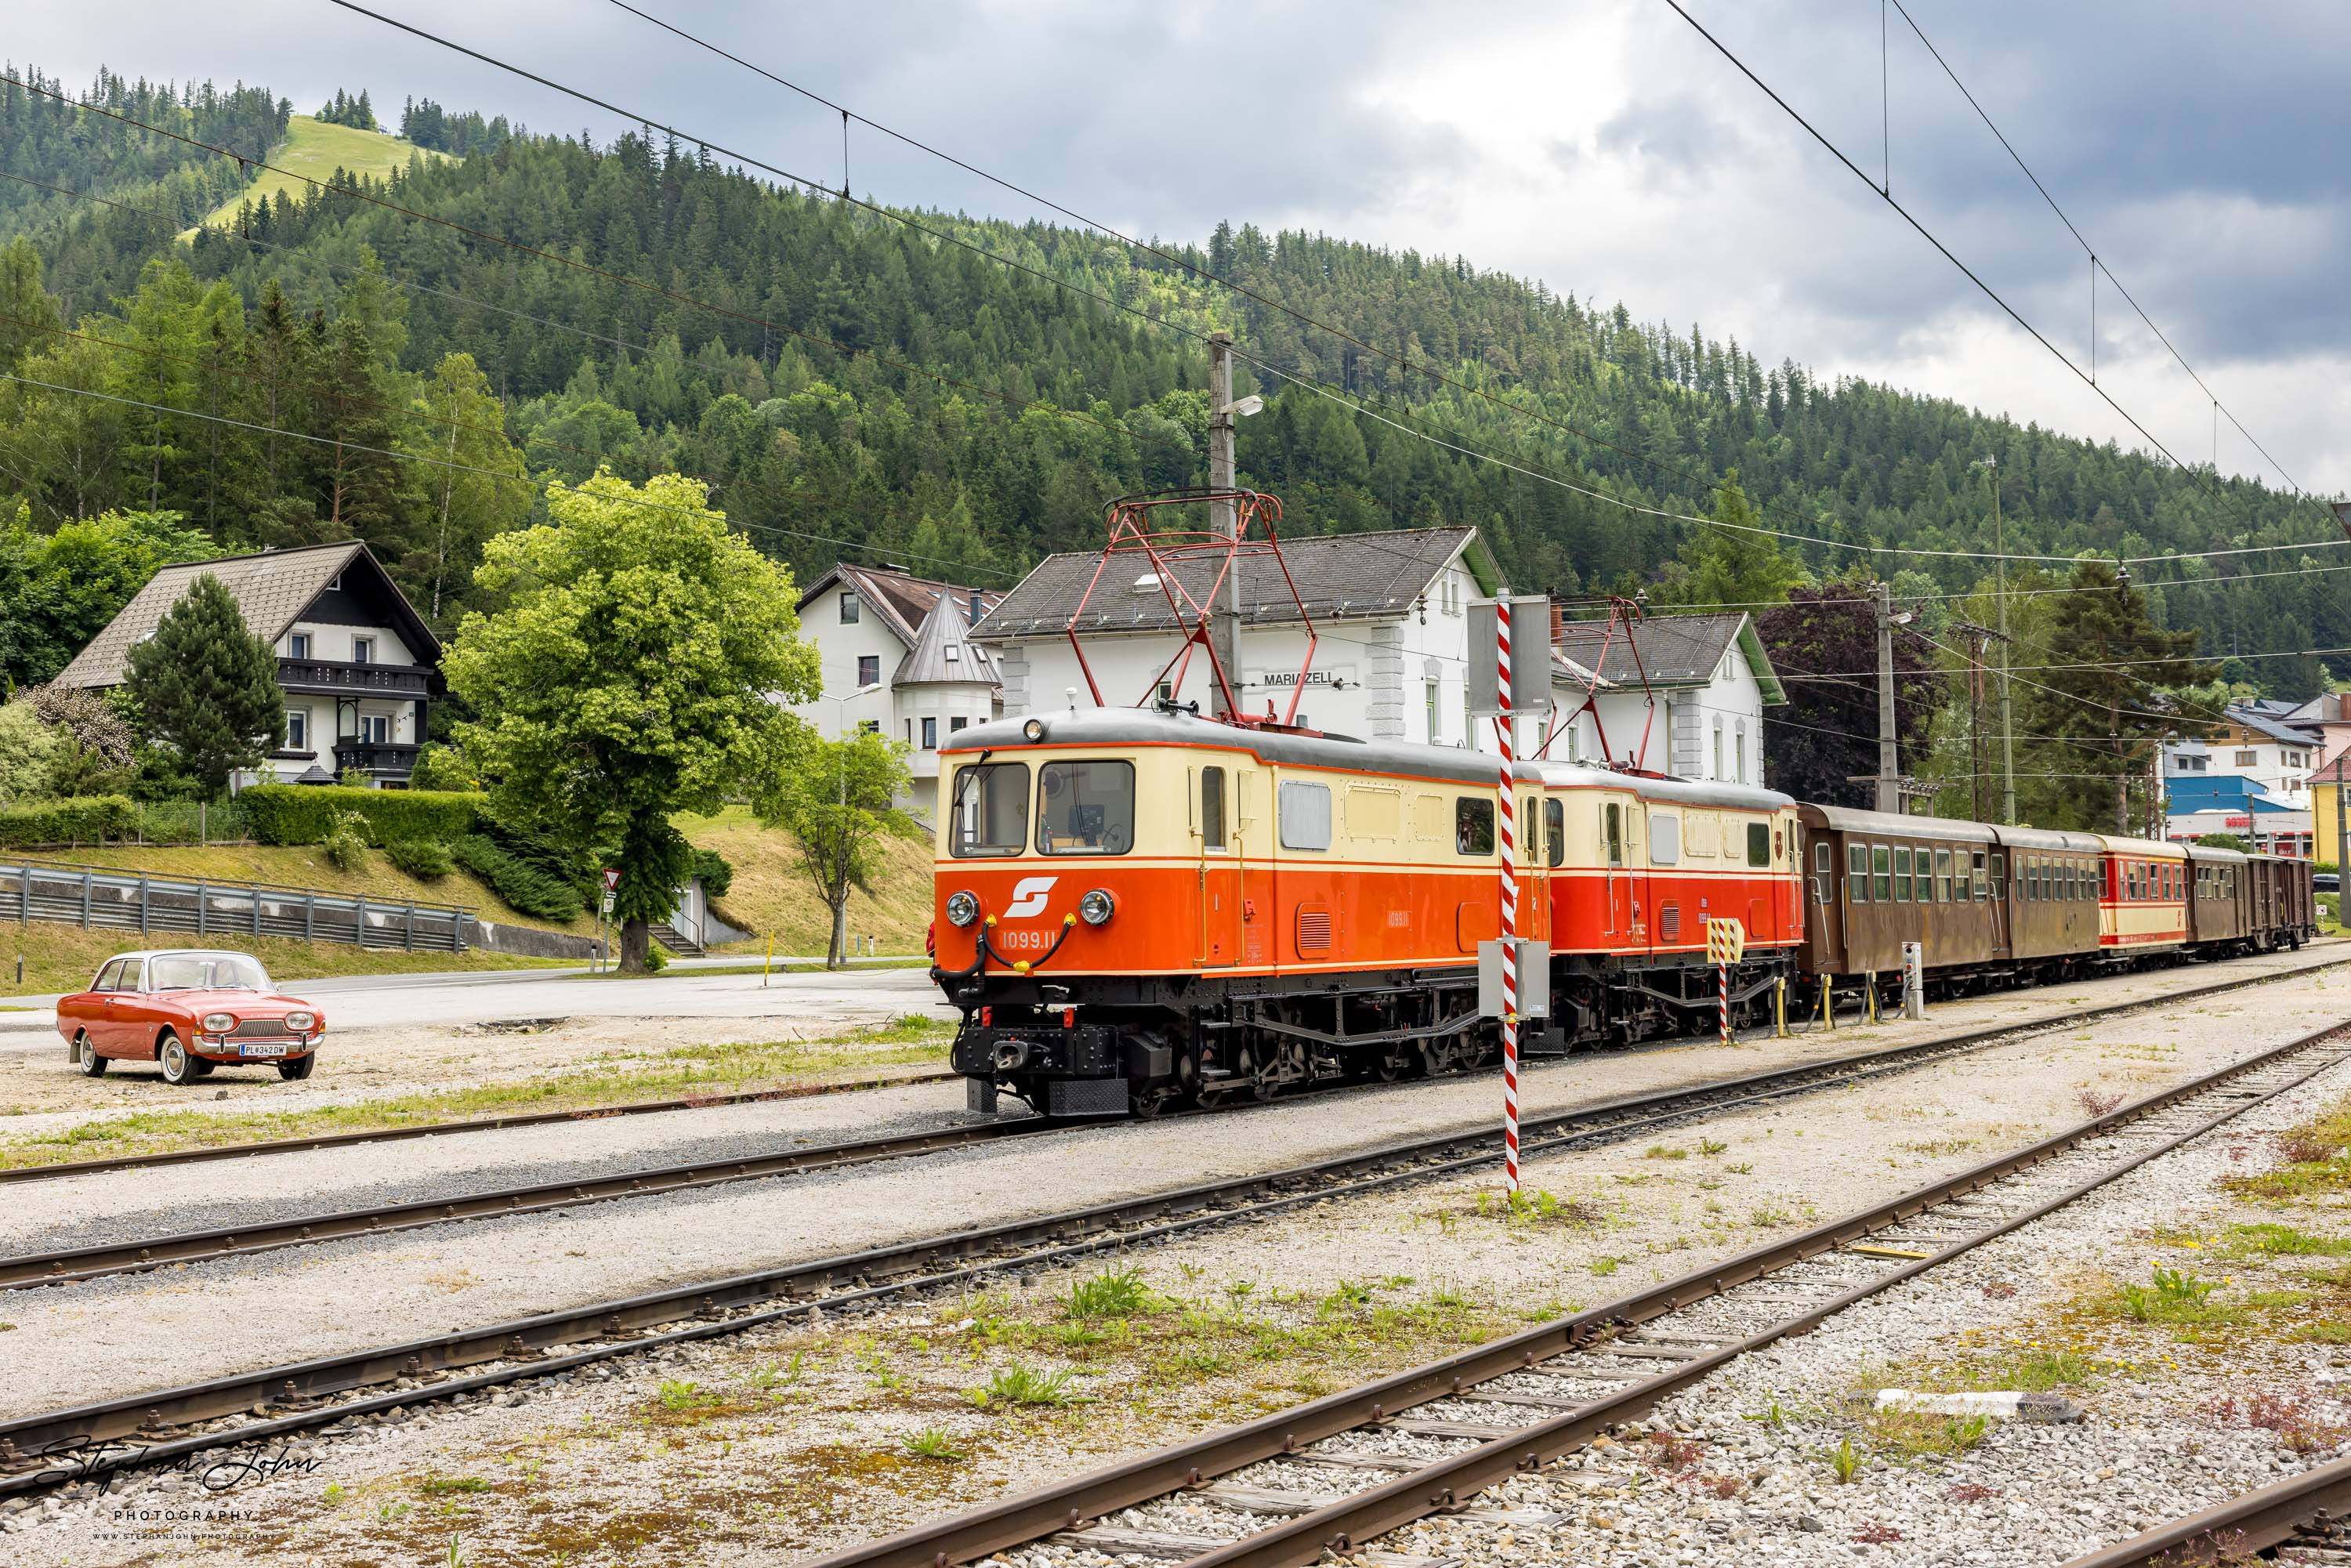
(1888, 825)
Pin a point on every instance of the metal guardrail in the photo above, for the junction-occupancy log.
(102, 897)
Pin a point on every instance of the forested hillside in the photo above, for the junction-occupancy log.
(778, 344)
(48, 147)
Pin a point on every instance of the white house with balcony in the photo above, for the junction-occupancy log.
(897, 659)
(1390, 627)
(357, 663)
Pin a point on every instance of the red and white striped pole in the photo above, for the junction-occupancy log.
(1508, 839)
(1722, 990)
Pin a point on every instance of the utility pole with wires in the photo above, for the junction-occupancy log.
(1890, 760)
(1225, 618)
(1990, 465)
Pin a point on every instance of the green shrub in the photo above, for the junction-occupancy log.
(442, 767)
(347, 846)
(79, 820)
(426, 859)
(717, 873)
(656, 957)
(306, 814)
(525, 888)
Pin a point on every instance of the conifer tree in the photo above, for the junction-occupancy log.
(206, 686)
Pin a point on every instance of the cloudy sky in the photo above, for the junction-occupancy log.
(1603, 146)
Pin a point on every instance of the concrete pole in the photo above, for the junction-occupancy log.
(2007, 711)
(1889, 764)
(1224, 618)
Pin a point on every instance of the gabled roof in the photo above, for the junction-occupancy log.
(2336, 771)
(1672, 650)
(273, 588)
(943, 653)
(902, 600)
(1338, 575)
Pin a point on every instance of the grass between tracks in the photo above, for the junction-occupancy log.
(911, 1044)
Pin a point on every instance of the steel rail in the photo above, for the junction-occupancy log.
(479, 1124)
(67, 1265)
(2234, 1530)
(31, 1269)
(1447, 1484)
(127, 1432)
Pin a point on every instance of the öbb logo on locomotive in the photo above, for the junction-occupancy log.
(1269, 908)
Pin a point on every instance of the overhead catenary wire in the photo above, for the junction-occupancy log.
(753, 162)
(2087, 379)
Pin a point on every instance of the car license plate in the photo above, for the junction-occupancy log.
(261, 1048)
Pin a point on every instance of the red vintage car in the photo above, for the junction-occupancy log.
(191, 1011)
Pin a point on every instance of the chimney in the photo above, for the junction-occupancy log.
(972, 619)
(1558, 623)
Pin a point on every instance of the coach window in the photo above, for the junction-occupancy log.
(1613, 829)
(1473, 825)
(1823, 872)
(1856, 881)
(1942, 876)
(1665, 839)
(1305, 813)
(991, 810)
(1881, 874)
(1759, 843)
(1212, 807)
(1556, 832)
(1901, 873)
(1981, 891)
(1086, 808)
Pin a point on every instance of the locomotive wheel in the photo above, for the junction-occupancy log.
(1389, 1068)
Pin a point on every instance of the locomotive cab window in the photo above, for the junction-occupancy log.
(1612, 824)
(1555, 832)
(1531, 827)
(1085, 808)
(1759, 843)
(991, 810)
(1473, 825)
(1212, 807)
(1306, 816)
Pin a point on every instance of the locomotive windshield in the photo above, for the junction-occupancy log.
(991, 809)
(1085, 808)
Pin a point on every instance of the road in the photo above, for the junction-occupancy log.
(488, 996)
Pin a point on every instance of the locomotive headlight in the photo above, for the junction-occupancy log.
(301, 1024)
(217, 1023)
(1034, 729)
(1097, 907)
(962, 909)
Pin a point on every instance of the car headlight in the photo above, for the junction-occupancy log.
(217, 1023)
(1034, 729)
(1097, 907)
(301, 1024)
(962, 908)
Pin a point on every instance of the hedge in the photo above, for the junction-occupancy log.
(76, 820)
(526, 889)
(305, 813)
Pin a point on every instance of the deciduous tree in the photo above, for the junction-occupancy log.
(633, 670)
(840, 803)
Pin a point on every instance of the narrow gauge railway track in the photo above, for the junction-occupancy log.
(164, 1426)
(66, 1266)
(478, 1125)
(1294, 1485)
(2306, 1519)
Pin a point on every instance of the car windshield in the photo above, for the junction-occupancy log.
(204, 972)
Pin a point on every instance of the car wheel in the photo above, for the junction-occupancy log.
(201, 1066)
(86, 1057)
(179, 1063)
(293, 1072)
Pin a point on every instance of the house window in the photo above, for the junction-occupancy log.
(955, 724)
(1436, 726)
(363, 650)
(1739, 748)
(298, 646)
(298, 729)
(1717, 772)
(335, 584)
(375, 729)
(930, 735)
(2247, 758)
(869, 727)
(868, 669)
(849, 610)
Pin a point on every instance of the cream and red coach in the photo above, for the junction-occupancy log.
(1141, 907)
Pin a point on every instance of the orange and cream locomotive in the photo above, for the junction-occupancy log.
(1140, 908)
